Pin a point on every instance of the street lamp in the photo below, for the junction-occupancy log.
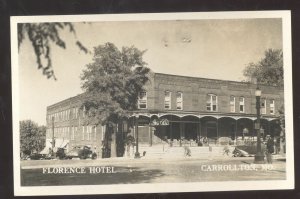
(137, 154)
(259, 156)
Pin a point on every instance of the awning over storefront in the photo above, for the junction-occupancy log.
(193, 125)
(216, 115)
(59, 143)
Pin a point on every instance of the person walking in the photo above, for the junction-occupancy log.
(129, 140)
(277, 145)
(226, 150)
(269, 149)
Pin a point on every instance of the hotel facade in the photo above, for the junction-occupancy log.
(173, 109)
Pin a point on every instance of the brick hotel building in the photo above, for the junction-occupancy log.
(193, 107)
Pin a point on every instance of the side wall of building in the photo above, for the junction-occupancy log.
(195, 91)
(68, 118)
(69, 125)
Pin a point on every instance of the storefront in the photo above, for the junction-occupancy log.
(174, 128)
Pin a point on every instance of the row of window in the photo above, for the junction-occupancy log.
(67, 114)
(142, 100)
(87, 132)
(241, 104)
(263, 105)
(211, 102)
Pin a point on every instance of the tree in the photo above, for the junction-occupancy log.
(269, 70)
(281, 116)
(32, 137)
(112, 83)
(41, 35)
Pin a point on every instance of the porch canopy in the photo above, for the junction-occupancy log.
(196, 125)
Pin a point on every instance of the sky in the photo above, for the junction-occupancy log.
(209, 48)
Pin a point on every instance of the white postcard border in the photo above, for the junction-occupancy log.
(157, 187)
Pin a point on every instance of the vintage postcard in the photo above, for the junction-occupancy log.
(149, 103)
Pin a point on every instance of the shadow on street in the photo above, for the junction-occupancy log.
(124, 175)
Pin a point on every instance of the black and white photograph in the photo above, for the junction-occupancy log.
(152, 103)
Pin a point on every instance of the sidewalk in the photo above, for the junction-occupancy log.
(34, 164)
(116, 161)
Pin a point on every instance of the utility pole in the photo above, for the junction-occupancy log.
(53, 140)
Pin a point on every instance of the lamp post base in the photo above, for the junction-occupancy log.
(259, 158)
(137, 155)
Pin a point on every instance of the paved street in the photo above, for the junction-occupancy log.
(126, 171)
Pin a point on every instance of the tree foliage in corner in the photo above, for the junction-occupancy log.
(269, 70)
(112, 83)
(41, 35)
(32, 137)
(281, 116)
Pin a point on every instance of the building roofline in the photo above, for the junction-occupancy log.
(164, 74)
(65, 100)
(220, 80)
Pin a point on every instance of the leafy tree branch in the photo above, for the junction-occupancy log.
(112, 82)
(269, 70)
(41, 35)
(32, 137)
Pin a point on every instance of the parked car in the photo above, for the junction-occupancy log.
(82, 152)
(60, 153)
(36, 156)
(239, 153)
(247, 150)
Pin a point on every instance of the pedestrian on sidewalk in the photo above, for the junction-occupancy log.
(277, 145)
(226, 150)
(205, 141)
(187, 151)
(129, 140)
(269, 149)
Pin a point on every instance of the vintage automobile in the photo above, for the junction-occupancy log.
(82, 152)
(237, 152)
(247, 150)
(36, 156)
(60, 153)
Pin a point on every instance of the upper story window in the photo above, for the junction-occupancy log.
(68, 132)
(263, 106)
(76, 113)
(84, 112)
(103, 132)
(179, 100)
(242, 105)
(68, 114)
(272, 107)
(232, 104)
(95, 132)
(142, 100)
(211, 102)
(62, 132)
(83, 128)
(73, 133)
(88, 133)
(167, 100)
(73, 113)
